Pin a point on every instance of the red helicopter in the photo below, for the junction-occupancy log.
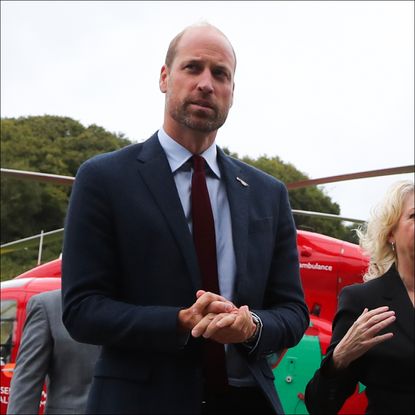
(326, 264)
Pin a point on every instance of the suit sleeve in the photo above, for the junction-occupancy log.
(284, 313)
(276, 293)
(32, 362)
(93, 311)
(329, 388)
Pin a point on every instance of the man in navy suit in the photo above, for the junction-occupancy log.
(131, 274)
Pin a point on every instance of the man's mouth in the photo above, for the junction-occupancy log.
(203, 104)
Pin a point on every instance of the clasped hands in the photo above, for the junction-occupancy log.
(214, 317)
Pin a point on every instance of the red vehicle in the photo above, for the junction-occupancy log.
(326, 264)
(15, 294)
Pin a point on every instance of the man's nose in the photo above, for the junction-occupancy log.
(205, 83)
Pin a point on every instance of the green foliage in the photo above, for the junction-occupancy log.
(307, 198)
(59, 145)
(48, 144)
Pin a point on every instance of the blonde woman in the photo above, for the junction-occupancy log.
(373, 330)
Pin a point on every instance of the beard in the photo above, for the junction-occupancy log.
(199, 120)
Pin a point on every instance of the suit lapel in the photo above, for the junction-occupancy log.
(238, 195)
(397, 299)
(156, 173)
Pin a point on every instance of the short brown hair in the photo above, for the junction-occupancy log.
(172, 50)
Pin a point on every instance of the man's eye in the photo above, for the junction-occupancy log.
(191, 67)
(219, 73)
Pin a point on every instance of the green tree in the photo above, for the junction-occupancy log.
(308, 198)
(59, 145)
(47, 144)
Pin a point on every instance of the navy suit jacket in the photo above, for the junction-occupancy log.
(387, 370)
(129, 266)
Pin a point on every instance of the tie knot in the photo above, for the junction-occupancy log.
(199, 163)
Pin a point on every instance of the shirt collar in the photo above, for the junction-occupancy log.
(177, 155)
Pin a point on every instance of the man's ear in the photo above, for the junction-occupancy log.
(164, 73)
(233, 90)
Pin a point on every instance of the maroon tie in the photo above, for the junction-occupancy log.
(205, 244)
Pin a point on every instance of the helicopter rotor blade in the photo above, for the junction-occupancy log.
(351, 176)
(37, 176)
(68, 180)
(326, 216)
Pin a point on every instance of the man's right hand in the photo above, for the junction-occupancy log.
(206, 303)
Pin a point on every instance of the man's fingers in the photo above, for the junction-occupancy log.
(244, 320)
(186, 319)
(209, 302)
(208, 324)
(220, 322)
(223, 321)
(226, 321)
(240, 323)
(200, 293)
(219, 307)
(199, 329)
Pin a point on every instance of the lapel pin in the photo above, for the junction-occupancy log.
(243, 183)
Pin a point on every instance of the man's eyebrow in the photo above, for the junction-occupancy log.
(192, 60)
(224, 68)
(200, 61)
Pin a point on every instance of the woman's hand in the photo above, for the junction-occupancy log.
(362, 335)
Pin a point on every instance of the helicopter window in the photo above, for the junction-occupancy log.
(8, 323)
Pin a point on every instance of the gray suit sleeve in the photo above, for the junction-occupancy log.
(32, 362)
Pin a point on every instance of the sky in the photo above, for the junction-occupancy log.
(327, 86)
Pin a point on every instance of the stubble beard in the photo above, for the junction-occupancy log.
(198, 122)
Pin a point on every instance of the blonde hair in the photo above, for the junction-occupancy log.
(374, 235)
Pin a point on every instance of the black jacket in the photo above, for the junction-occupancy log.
(387, 370)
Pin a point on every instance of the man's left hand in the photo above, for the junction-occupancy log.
(236, 326)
